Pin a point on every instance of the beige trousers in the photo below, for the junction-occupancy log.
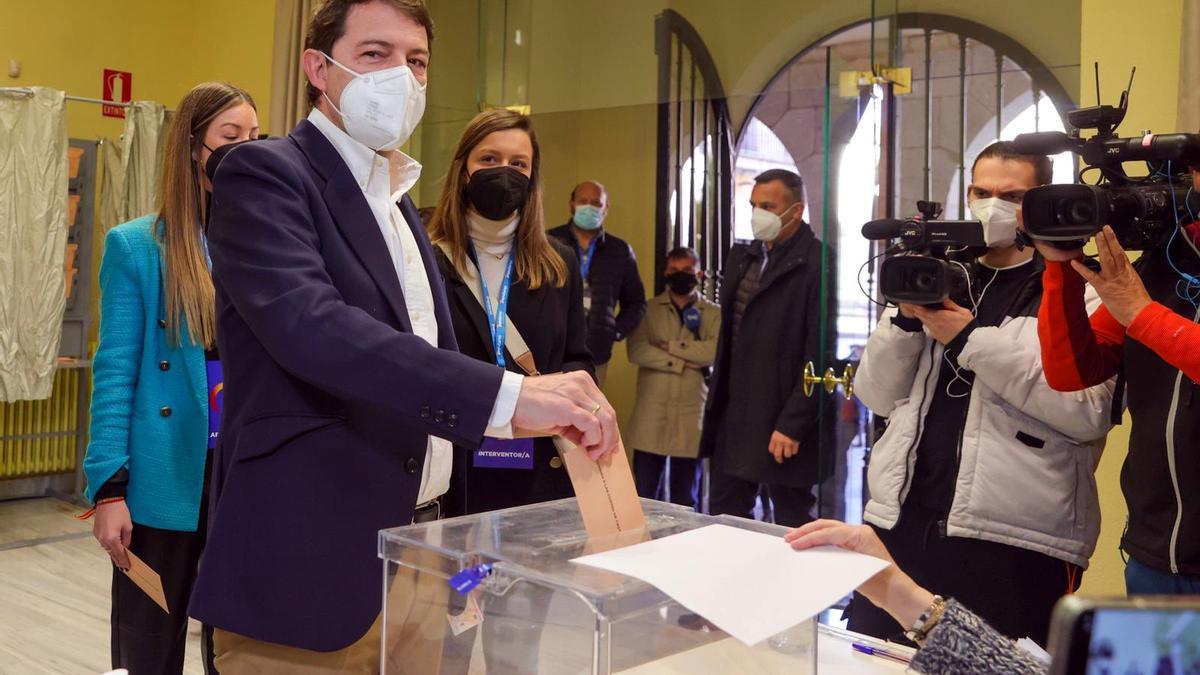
(417, 607)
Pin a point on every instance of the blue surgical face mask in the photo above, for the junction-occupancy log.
(588, 217)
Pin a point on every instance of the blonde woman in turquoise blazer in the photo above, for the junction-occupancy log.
(156, 379)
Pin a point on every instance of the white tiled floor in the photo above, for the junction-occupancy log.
(54, 593)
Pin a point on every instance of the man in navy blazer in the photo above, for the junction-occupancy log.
(339, 359)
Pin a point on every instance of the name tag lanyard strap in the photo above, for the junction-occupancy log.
(498, 319)
(586, 263)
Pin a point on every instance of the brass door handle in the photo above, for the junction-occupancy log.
(829, 380)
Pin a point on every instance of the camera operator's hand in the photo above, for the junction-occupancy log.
(908, 311)
(1049, 251)
(946, 323)
(1117, 283)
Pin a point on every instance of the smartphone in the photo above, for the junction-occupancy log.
(1126, 636)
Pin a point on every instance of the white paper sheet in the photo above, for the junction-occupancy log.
(750, 585)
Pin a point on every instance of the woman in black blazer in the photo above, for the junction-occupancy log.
(489, 227)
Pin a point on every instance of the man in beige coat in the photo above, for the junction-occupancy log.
(673, 347)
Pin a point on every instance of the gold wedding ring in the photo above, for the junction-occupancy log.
(596, 409)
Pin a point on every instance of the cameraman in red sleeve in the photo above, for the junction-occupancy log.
(1146, 330)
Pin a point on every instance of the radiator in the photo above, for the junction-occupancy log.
(39, 438)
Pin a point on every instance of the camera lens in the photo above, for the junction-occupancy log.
(925, 282)
(1077, 212)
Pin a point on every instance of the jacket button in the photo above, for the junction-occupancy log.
(411, 466)
(166, 411)
(555, 463)
(425, 412)
(164, 365)
(452, 420)
(162, 323)
(439, 416)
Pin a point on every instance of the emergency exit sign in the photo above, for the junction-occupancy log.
(118, 86)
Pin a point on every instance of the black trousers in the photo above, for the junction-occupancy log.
(792, 506)
(145, 639)
(648, 475)
(1014, 589)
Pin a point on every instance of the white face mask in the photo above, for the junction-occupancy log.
(380, 109)
(999, 218)
(766, 225)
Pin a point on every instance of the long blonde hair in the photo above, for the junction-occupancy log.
(182, 213)
(536, 261)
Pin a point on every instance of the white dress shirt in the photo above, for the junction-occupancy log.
(383, 182)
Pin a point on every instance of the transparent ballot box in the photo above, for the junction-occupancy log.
(534, 611)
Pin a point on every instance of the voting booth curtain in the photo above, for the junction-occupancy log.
(129, 187)
(33, 240)
(288, 103)
(1189, 70)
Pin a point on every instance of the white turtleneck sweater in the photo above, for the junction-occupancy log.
(493, 240)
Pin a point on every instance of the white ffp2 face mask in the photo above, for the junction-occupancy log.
(765, 225)
(999, 218)
(381, 109)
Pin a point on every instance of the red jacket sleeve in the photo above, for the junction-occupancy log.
(1077, 351)
(1175, 339)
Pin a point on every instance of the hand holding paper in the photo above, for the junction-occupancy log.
(892, 589)
(568, 405)
(146, 579)
(749, 584)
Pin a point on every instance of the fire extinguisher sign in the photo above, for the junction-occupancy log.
(118, 87)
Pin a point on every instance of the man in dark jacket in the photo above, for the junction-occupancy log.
(759, 426)
(613, 298)
(341, 370)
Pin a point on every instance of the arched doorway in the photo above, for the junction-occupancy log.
(873, 154)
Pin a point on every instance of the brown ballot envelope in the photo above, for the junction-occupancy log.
(607, 497)
(146, 579)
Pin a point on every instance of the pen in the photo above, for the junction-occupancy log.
(880, 652)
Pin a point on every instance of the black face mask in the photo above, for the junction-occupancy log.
(681, 283)
(497, 192)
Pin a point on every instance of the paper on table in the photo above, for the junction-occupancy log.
(146, 579)
(749, 584)
(1035, 650)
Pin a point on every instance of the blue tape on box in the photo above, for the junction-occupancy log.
(466, 580)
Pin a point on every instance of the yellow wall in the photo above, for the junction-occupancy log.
(1119, 39)
(168, 46)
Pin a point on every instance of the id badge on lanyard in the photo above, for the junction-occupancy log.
(585, 266)
(497, 453)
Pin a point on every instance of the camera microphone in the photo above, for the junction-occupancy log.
(1183, 149)
(1043, 143)
(884, 228)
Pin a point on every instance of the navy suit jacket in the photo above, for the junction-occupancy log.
(329, 396)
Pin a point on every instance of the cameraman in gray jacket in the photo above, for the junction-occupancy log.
(982, 485)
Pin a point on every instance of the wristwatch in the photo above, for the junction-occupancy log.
(928, 619)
